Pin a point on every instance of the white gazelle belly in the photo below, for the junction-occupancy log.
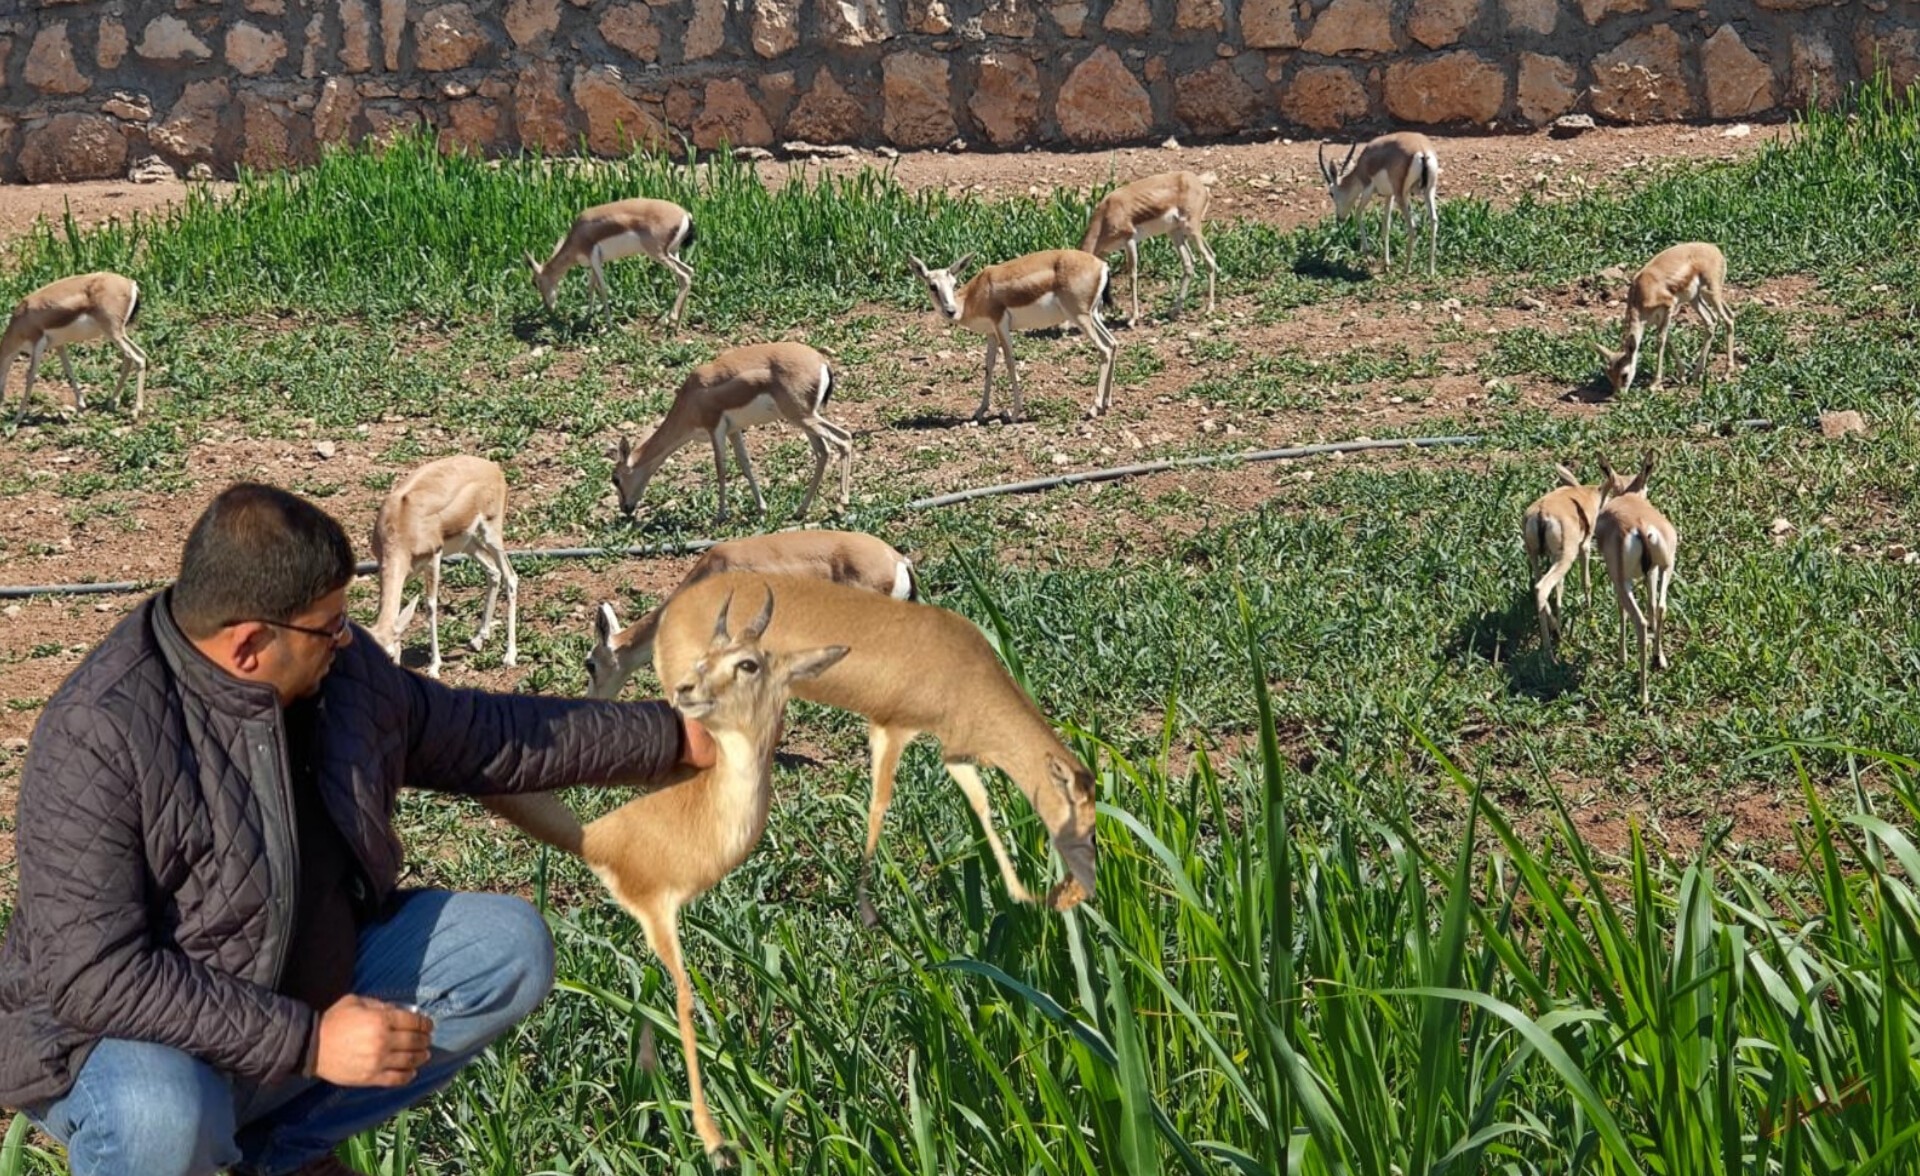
(1044, 311)
(1158, 226)
(621, 245)
(760, 410)
(78, 331)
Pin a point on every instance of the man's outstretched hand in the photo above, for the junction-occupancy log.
(365, 1042)
(696, 746)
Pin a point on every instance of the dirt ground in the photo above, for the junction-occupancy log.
(42, 640)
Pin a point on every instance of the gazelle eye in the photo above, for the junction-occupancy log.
(749, 666)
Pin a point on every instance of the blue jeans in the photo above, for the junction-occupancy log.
(475, 963)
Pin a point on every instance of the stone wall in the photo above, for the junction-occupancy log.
(93, 84)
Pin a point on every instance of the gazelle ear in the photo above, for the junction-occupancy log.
(814, 662)
(960, 264)
(533, 263)
(1567, 476)
(919, 267)
(605, 624)
(1606, 357)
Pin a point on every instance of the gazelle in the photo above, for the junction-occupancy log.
(1557, 529)
(845, 557)
(1638, 543)
(608, 232)
(721, 400)
(453, 505)
(913, 669)
(662, 850)
(75, 310)
(1173, 203)
(1695, 274)
(1038, 290)
(1402, 167)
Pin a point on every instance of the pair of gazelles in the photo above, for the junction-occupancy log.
(846, 633)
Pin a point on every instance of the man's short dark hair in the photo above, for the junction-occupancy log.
(257, 553)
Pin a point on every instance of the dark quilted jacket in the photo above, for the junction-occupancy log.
(155, 847)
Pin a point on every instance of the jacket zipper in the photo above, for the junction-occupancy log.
(286, 891)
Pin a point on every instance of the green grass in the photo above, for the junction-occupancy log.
(1352, 913)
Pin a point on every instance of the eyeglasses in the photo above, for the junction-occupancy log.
(331, 634)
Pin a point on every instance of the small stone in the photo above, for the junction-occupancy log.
(151, 169)
(1779, 527)
(12, 610)
(1569, 125)
(324, 448)
(1528, 302)
(14, 746)
(1834, 425)
(1061, 459)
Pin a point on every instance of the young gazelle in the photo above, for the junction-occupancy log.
(1039, 290)
(1557, 529)
(608, 232)
(74, 310)
(721, 400)
(1401, 167)
(1638, 543)
(660, 851)
(1174, 203)
(1695, 274)
(913, 669)
(453, 505)
(845, 557)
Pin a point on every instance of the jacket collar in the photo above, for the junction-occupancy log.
(199, 676)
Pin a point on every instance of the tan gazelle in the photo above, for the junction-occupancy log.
(1558, 529)
(1171, 203)
(913, 669)
(741, 388)
(1404, 168)
(845, 557)
(1038, 290)
(1693, 274)
(446, 507)
(1638, 543)
(75, 310)
(607, 232)
(660, 851)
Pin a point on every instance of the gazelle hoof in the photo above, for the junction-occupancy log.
(722, 1156)
(869, 918)
(1067, 894)
(511, 659)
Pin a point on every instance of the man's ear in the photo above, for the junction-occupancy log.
(250, 640)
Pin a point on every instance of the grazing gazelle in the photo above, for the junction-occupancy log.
(1039, 290)
(607, 232)
(74, 310)
(1174, 203)
(660, 851)
(1638, 543)
(913, 669)
(721, 400)
(1401, 167)
(845, 557)
(1695, 274)
(1557, 529)
(453, 505)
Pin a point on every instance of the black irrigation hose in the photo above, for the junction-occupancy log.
(368, 567)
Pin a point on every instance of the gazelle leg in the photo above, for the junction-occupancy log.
(33, 369)
(79, 393)
(720, 467)
(1433, 234)
(660, 922)
(1133, 268)
(819, 446)
(739, 437)
(432, 586)
(1658, 594)
(885, 745)
(986, 393)
(599, 280)
(968, 777)
(1660, 357)
(135, 360)
(683, 277)
(1102, 339)
(1013, 371)
(1630, 610)
(1185, 251)
(1206, 254)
